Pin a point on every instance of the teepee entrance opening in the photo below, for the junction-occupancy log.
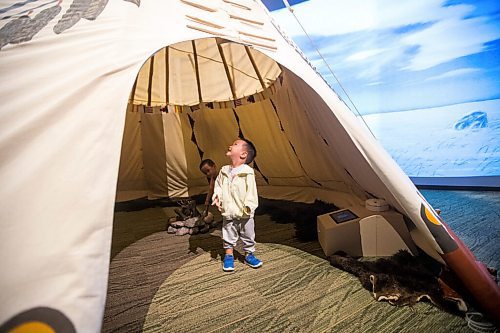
(192, 99)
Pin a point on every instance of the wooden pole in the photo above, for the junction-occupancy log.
(226, 69)
(150, 81)
(197, 71)
(252, 60)
(167, 76)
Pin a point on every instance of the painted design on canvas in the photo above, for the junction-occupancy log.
(27, 18)
(39, 319)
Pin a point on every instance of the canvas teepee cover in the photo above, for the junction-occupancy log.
(67, 72)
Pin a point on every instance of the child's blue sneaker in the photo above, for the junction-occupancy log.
(252, 261)
(228, 265)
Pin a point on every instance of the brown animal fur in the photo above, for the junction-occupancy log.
(402, 280)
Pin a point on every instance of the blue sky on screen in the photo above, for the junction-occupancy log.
(395, 55)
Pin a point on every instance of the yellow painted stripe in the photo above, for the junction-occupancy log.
(431, 217)
(33, 326)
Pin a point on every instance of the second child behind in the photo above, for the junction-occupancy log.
(209, 168)
(235, 195)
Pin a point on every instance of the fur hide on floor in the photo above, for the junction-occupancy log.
(402, 279)
(302, 215)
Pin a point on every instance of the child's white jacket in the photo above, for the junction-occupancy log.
(238, 196)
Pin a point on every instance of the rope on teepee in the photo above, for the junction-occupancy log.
(327, 65)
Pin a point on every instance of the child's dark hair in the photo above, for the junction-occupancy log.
(252, 152)
(207, 161)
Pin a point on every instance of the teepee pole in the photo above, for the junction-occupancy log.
(132, 94)
(226, 68)
(150, 81)
(167, 75)
(197, 71)
(252, 60)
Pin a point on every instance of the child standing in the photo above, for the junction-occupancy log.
(235, 195)
(209, 168)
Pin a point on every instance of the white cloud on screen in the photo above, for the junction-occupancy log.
(454, 73)
(363, 55)
(450, 39)
(327, 17)
(447, 36)
(362, 64)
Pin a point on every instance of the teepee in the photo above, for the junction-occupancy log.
(104, 102)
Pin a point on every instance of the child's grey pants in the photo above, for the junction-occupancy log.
(239, 228)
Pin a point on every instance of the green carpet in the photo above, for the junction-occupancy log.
(474, 216)
(293, 292)
(163, 283)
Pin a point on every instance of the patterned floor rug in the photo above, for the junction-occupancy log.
(293, 292)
